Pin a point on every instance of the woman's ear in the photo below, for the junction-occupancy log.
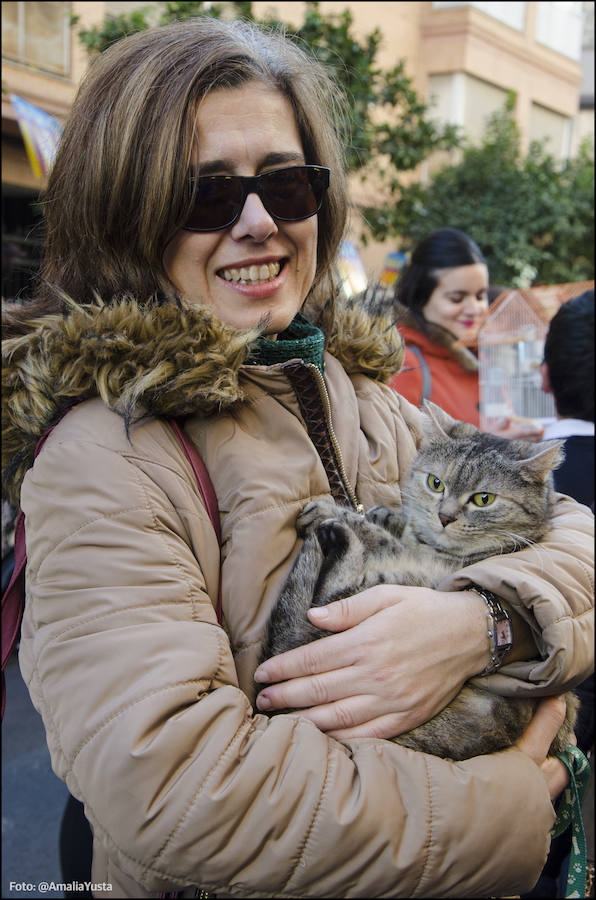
(545, 379)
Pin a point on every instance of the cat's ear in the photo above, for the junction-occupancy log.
(438, 422)
(548, 456)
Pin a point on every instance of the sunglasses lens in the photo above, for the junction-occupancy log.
(294, 193)
(218, 201)
(288, 194)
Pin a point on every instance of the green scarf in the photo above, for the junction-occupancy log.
(301, 340)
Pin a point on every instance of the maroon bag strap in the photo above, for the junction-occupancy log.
(13, 599)
(205, 489)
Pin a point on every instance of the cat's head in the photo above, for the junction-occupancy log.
(472, 494)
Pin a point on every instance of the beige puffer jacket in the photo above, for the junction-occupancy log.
(147, 701)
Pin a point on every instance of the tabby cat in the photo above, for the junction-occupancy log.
(469, 495)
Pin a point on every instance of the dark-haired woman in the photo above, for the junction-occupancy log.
(194, 214)
(441, 299)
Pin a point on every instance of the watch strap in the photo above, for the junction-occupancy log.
(500, 629)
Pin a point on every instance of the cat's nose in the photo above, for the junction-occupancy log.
(446, 519)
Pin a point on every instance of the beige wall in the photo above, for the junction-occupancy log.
(463, 39)
(399, 23)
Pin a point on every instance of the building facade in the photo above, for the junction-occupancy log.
(463, 57)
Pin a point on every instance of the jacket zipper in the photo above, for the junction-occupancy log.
(334, 442)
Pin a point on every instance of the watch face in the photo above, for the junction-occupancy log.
(504, 634)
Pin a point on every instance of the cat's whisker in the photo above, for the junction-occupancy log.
(518, 540)
(521, 542)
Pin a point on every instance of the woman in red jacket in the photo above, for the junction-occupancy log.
(442, 299)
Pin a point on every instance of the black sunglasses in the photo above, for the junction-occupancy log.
(289, 194)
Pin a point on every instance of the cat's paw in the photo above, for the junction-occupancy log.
(313, 514)
(391, 520)
(333, 537)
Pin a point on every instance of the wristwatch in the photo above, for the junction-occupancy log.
(500, 630)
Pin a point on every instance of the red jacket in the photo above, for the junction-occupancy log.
(452, 387)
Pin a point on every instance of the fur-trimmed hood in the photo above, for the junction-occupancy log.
(168, 359)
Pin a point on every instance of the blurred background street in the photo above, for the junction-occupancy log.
(33, 798)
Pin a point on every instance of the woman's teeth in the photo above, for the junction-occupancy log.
(252, 274)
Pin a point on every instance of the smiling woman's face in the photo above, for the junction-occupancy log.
(246, 131)
(459, 301)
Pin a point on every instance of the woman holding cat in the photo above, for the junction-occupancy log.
(441, 299)
(193, 215)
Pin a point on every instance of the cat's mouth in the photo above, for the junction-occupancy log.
(447, 548)
(456, 550)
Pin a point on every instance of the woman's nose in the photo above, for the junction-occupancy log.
(473, 305)
(254, 221)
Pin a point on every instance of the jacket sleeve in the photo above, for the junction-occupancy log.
(183, 785)
(552, 586)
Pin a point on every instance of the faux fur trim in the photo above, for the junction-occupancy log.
(465, 357)
(169, 359)
(364, 338)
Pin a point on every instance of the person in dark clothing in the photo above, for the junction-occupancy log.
(568, 374)
(76, 848)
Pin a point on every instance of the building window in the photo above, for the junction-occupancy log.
(545, 124)
(559, 25)
(463, 100)
(37, 35)
(512, 13)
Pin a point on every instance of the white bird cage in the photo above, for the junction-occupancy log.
(511, 349)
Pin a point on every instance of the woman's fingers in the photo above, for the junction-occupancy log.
(311, 659)
(343, 614)
(328, 653)
(394, 645)
(314, 690)
(537, 738)
(539, 735)
(556, 775)
(335, 651)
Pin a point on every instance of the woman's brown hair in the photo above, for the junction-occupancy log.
(121, 188)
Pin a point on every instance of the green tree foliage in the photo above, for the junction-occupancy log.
(532, 216)
(395, 141)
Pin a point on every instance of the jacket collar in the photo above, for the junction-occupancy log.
(162, 359)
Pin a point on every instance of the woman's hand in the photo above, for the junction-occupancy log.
(537, 738)
(401, 654)
(515, 429)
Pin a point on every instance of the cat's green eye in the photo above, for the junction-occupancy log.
(483, 499)
(435, 484)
